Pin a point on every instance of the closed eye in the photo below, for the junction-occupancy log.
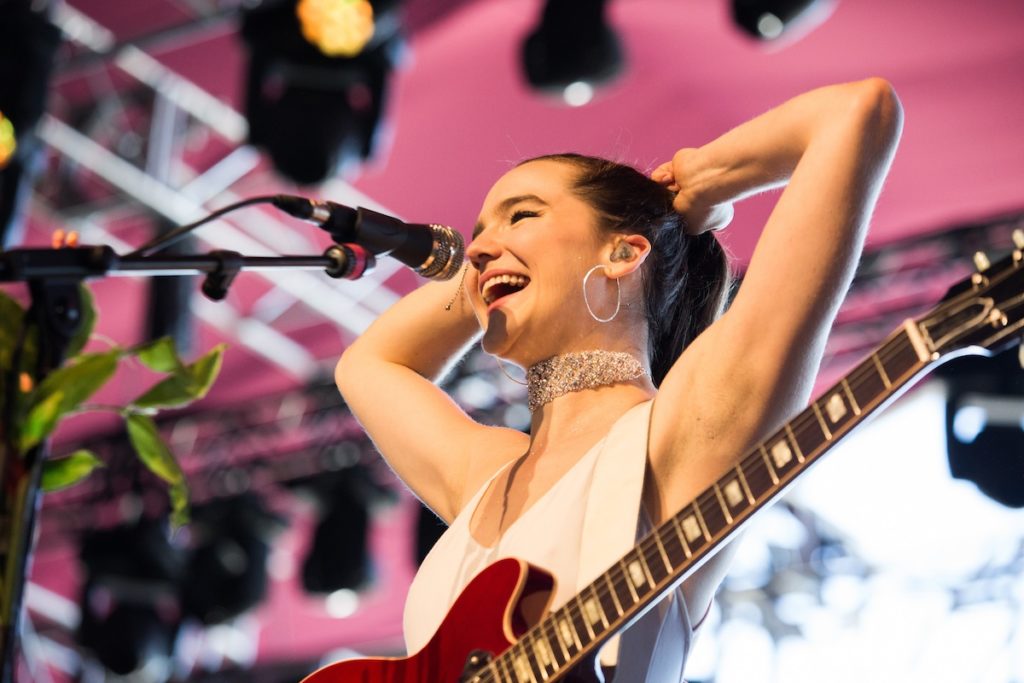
(521, 214)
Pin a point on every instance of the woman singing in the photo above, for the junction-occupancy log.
(609, 287)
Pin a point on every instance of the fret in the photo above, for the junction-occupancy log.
(757, 474)
(837, 409)
(495, 667)
(721, 501)
(881, 370)
(712, 514)
(869, 383)
(611, 591)
(627, 580)
(583, 618)
(560, 638)
(567, 631)
(624, 592)
(637, 573)
(543, 656)
(792, 441)
(700, 520)
(681, 536)
(592, 611)
(664, 554)
(782, 455)
(821, 421)
(902, 356)
(735, 497)
(849, 394)
(521, 665)
(672, 542)
(559, 657)
(768, 463)
(651, 554)
(806, 434)
(746, 487)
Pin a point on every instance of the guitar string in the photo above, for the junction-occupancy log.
(857, 378)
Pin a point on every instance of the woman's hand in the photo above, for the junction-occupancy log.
(678, 176)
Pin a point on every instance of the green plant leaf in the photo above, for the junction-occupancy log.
(182, 388)
(151, 449)
(205, 370)
(85, 327)
(59, 473)
(159, 355)
(179, 504)
(74, 383)
(41, 420)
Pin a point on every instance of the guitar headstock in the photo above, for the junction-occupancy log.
(983, 313)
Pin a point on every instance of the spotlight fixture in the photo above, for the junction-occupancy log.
(8, 140)
(339, 28)
(572, 51)
(227, 567)
(130, 608)
(985, 424)
(316, 114)
(769, 19)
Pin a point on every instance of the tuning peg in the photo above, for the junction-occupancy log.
(981, 261)
(1018, 238)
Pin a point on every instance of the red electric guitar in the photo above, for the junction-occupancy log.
(485, 637)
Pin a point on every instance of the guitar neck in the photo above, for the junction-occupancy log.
(670, 553)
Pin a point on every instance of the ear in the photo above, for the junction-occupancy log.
(626, 253)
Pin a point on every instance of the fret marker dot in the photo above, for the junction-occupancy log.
(781, 454)
(691, 529)
(733, 493)
(636, 574)
(836, 408)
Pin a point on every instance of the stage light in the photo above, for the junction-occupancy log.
(768, 20)
(8, 141)
(339, 28)
(314, 114)
(339, 555)
(226, 573)
(130, 608)
(985, 424)
(572, 50)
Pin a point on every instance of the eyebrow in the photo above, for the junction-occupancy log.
(505, 205)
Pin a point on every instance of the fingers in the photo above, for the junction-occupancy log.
(663, 175)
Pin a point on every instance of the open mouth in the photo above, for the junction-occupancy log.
(501, 286)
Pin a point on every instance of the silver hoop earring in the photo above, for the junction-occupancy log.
(618, 296)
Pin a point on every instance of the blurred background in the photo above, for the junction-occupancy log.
(898, 559)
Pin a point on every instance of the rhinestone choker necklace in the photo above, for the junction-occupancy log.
(557, 376)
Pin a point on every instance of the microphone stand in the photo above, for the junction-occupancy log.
(53, 277)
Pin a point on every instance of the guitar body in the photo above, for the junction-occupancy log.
(490, 614)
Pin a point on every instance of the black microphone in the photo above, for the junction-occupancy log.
(433, 251)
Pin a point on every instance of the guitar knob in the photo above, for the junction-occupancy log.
(981, 261)
(1020, 355)
(1018, 238)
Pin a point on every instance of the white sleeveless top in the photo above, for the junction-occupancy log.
(550, 534)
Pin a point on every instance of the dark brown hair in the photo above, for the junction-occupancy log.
(686, 279)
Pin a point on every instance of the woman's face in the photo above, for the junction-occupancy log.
(533, 243)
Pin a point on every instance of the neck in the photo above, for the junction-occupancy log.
(574, 392)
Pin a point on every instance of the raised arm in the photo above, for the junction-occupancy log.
(755, 367)
(387, 379)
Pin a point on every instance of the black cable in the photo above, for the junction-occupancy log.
(173, 236)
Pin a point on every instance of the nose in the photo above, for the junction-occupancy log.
(483, 249)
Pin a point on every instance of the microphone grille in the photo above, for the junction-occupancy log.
(446, 256)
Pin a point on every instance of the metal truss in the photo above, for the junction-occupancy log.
(165, 184)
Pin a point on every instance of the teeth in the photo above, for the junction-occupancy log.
(518, 281)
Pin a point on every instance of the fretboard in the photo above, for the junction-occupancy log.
(670, 553)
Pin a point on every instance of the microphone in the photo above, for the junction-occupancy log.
(433, 251)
